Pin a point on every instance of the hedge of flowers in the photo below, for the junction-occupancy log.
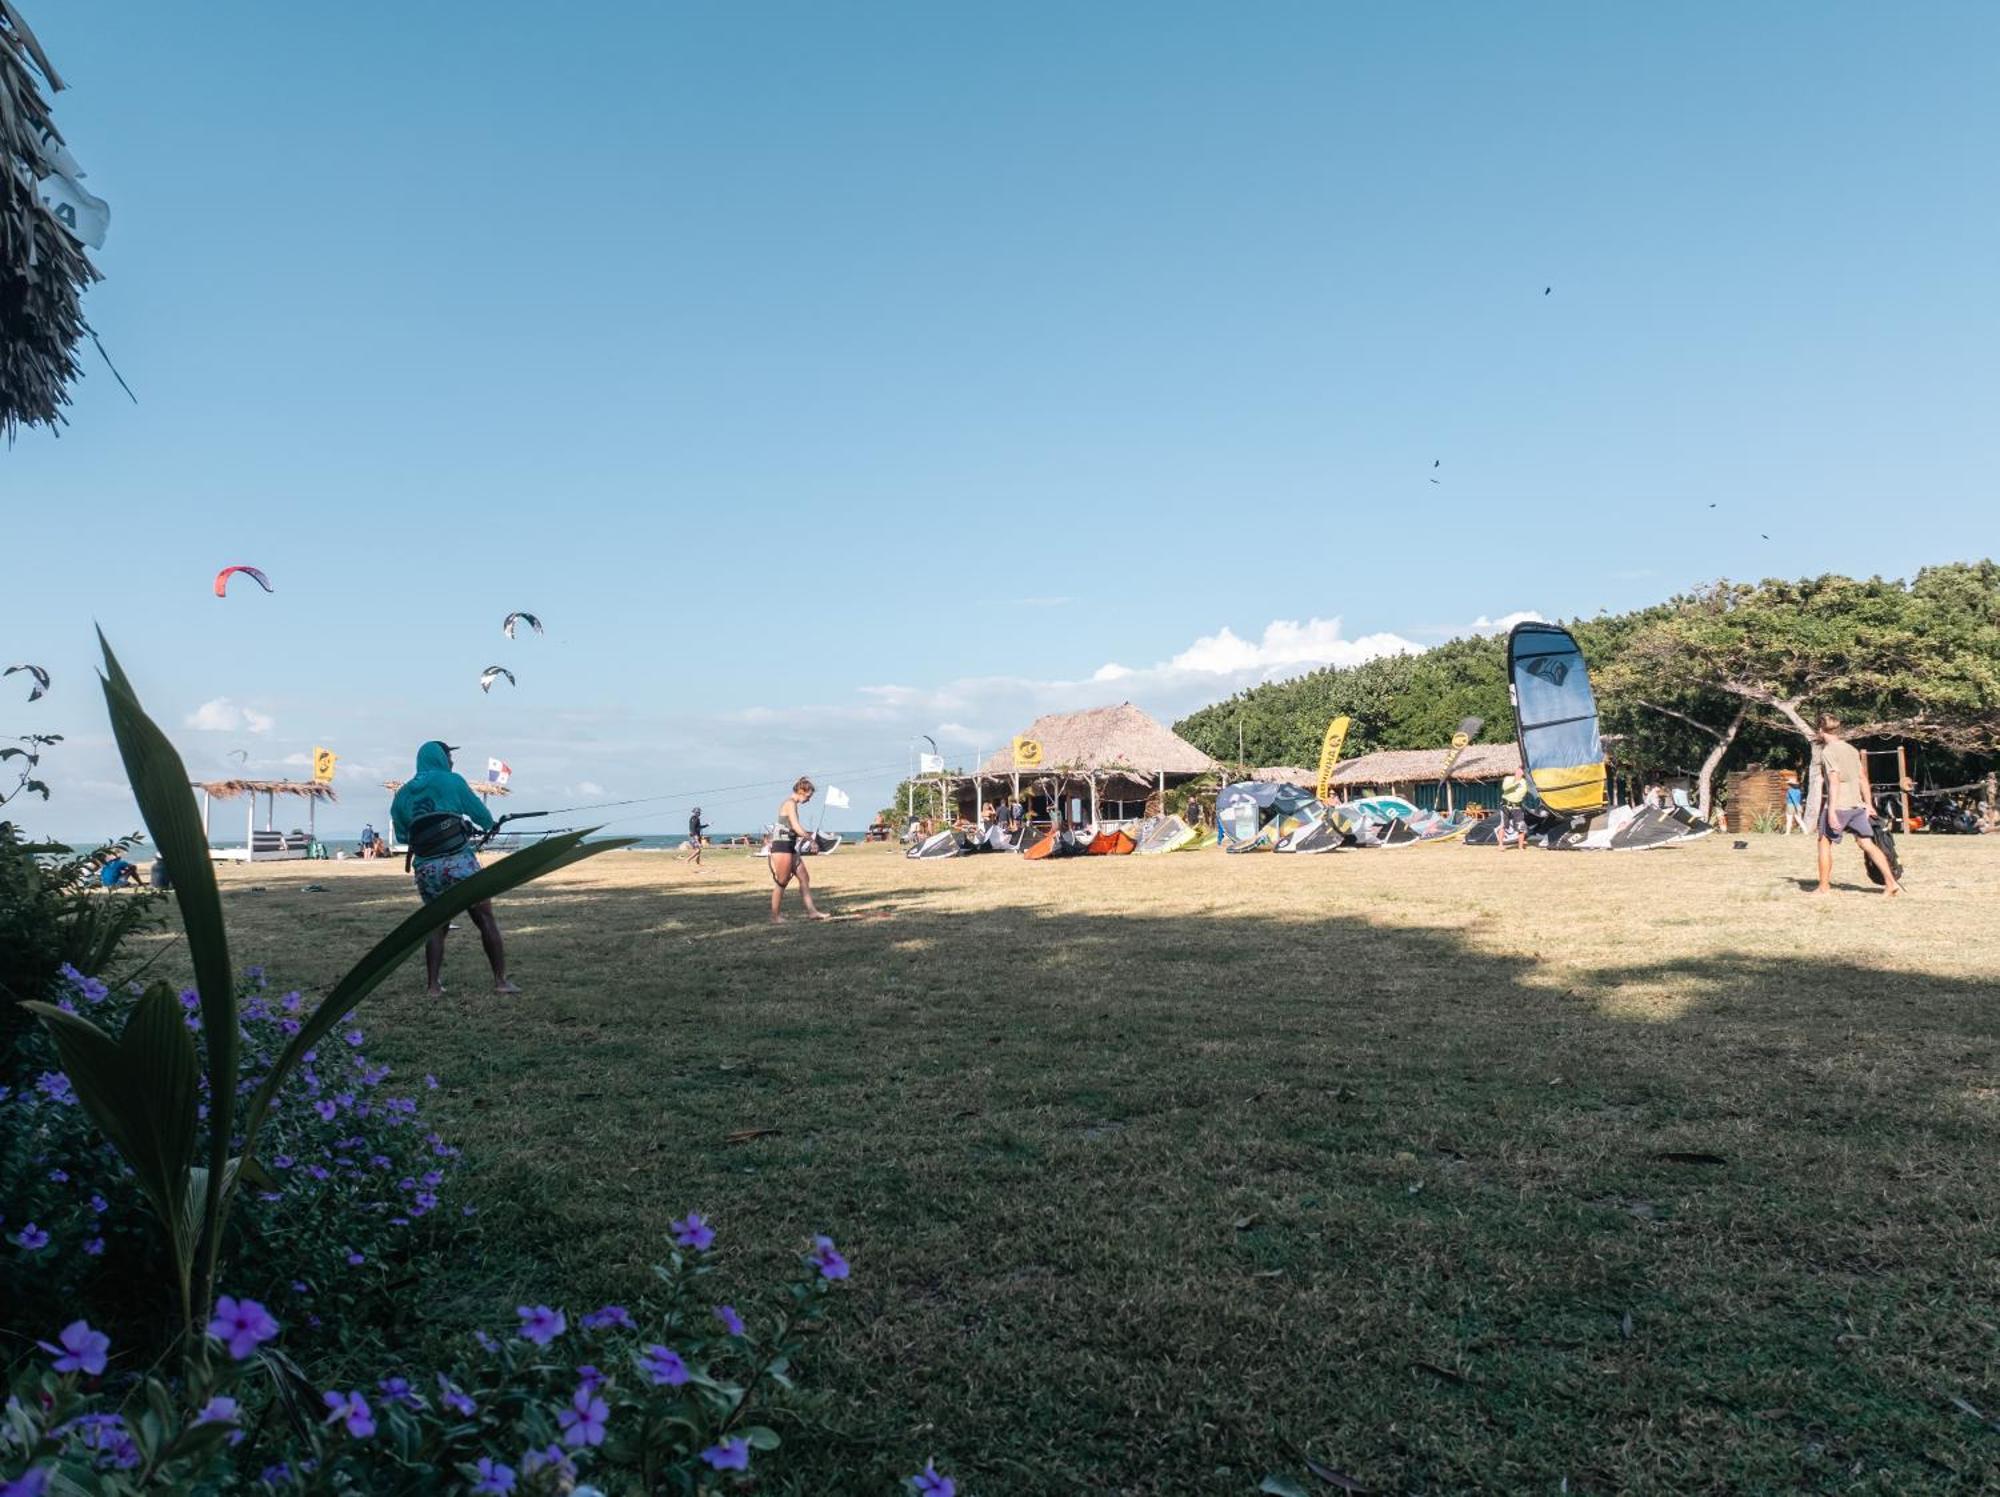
(670, 1393)
(360, 1186)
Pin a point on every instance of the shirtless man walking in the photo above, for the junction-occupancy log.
(1844, 802)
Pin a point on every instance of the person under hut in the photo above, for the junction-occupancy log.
(429, 815)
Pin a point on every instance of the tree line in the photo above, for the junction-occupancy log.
(1731, 672)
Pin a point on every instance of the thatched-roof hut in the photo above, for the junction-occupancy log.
(266, 843)
(1418, 775)
(485, 789)
(43, 268)
(1119, 757)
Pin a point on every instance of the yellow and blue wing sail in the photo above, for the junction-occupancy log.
(1555, 716)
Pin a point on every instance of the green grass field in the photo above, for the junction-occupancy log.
(1449, 1169)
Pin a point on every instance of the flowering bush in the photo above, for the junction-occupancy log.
(661, 1396)
(359, 1186)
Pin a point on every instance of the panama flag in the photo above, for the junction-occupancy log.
(836, 798)
(498, 772)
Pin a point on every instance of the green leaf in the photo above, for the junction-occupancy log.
(160, 785)
(390, 952)
(142, 1090)
(1282, 1486)
(761, 1437)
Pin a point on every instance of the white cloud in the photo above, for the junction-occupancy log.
(1287, 648)
(588, 787)
(224, 716)
(1506, 621)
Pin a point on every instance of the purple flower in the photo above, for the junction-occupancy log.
(731, 1455)
(731, 1321)
(281, 1161)
(486, 1343)
(32, 1238)
(607, 1316)
(398, 1390)
(82, 1349)
(241, 1325)
(290, 1002)
(430, 1081)
(356, 1038)
(664, 1366)
(540, 1324)
(582, 1423)
(59, 1176)
(827, 1259)
(350, 1409)
(31, 1483)
(94, 1246)
(325, 1109)
(930, 1483)
(549, 1455)
(55, 1086)
(107, 1435)
(692, 1232)
(590, 1378)
(218, 1410)
(495, 1480)
(98, 1204)
(454, 1398)
(355, 1260)
(255, 974)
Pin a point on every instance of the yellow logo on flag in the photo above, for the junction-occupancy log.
(1027, 754)
(323, 761)
(1460, 740)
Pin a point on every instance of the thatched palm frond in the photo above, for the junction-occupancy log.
(43, 271)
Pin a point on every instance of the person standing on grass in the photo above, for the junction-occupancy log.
(1513, 812)
(1844, 801)
(429, 815)
(1795, 804)
(788, 844)
(696, 826)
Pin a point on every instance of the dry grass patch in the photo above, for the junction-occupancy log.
(1454, 1169)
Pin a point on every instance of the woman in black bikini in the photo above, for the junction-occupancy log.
(786, 859)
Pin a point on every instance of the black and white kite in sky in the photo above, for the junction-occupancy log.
(41, 679)
(493, 673)
(520, 618)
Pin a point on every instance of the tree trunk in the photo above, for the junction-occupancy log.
(1705, 782)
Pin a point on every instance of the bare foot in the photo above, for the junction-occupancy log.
(435, 990)
(777, 919)
(820, 915)
(503, 986)
(1894, 892)
(1822, 889)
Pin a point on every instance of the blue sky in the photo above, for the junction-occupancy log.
(827, 374)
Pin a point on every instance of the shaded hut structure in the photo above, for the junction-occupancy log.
(1107, 763)
(265, 844)
(43, 268)
(1417, 775)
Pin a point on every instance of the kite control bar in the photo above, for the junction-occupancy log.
(489, 834)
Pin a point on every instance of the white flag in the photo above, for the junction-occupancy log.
(86, 217)
(836, 798)
(498, 772)
(930, 764)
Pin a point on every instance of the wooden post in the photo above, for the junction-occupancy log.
(1093, 802)
(250, 830)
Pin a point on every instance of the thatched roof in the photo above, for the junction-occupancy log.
(231, 789)
(1106, 738)
(1285, 774)
(1480, 761)
(43, 271)
(479, 787)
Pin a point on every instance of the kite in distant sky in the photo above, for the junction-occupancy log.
(41, 679)
(493, 673)
(523, 618)
(222, 579)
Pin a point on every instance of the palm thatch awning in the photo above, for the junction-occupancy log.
(231, 789)
(1480, 761)
(485, 788)
(1102, 739)
(43, 270)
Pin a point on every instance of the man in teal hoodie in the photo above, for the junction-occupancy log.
(429, 813)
